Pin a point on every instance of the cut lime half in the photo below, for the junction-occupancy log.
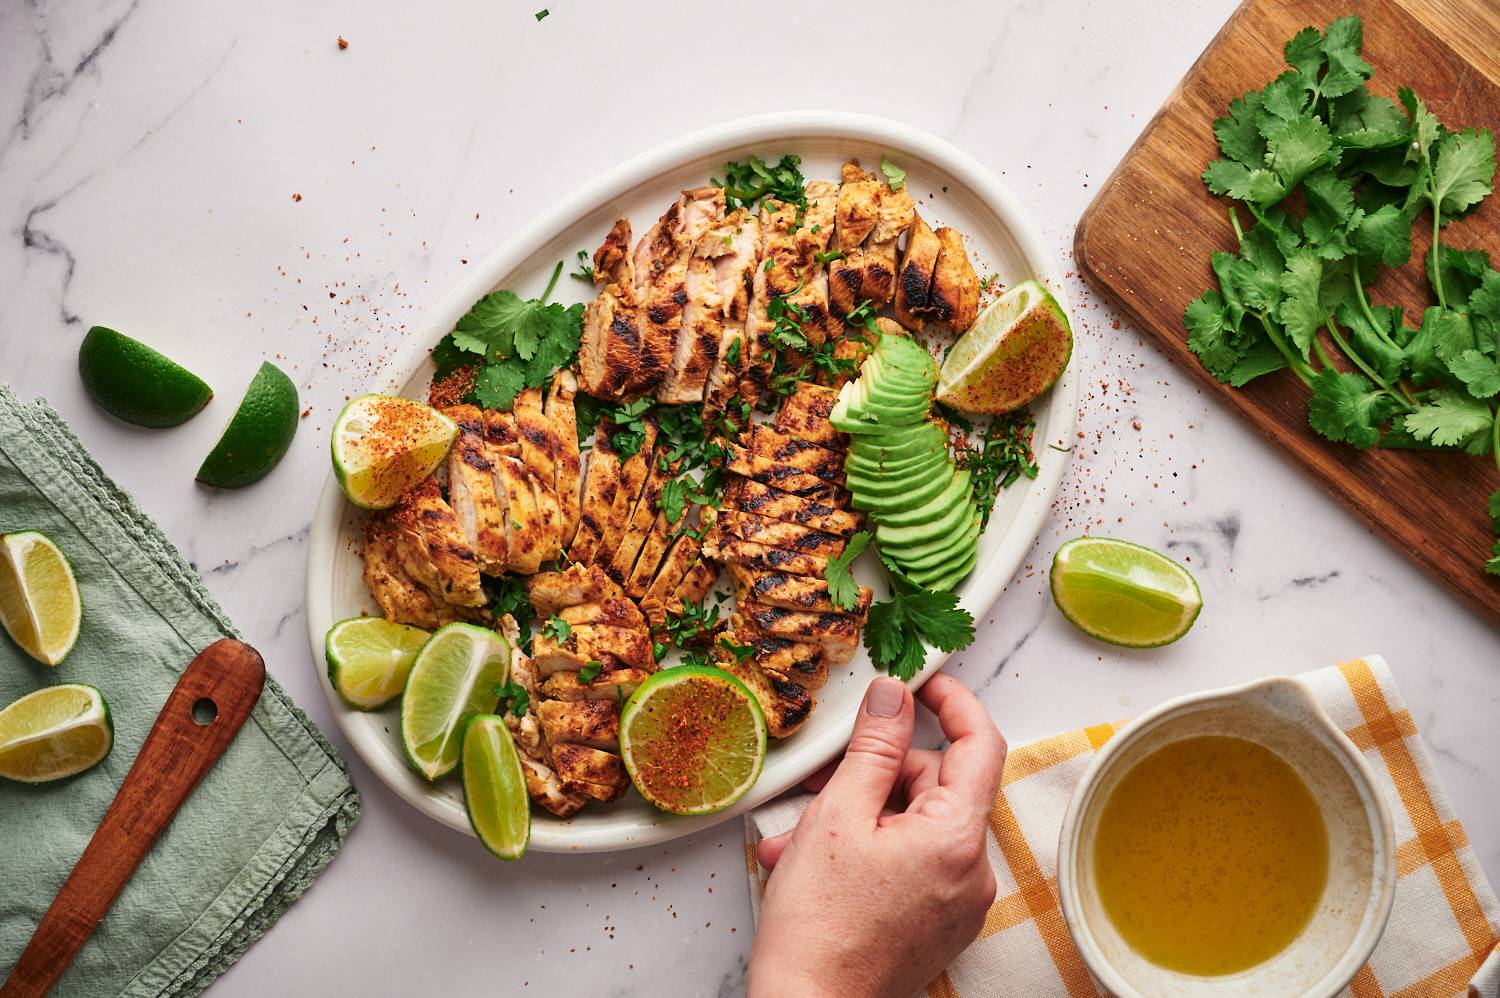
(1124, 593)
(693, 739)
(54, 733)
(495, 787)
(39, 603)
(1016, 350)
(383, 445)
(369, 659)
(453, 679)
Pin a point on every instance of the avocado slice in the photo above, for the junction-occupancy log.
(914, 538)
(905, 515)
(941, 557)
(868, 494)
(883, 455)
(943, 583)
(908, 469)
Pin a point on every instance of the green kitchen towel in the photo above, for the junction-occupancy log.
(261, 826)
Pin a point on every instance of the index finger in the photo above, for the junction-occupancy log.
(975, 756)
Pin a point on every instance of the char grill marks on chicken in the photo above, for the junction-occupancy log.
(936, 282)
(870, 220)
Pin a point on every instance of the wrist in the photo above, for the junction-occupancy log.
(777, 982)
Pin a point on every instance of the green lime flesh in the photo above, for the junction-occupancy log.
(1124, 593)
(495, 787)
(453, 679)
(135, 383)
(257, 436)
(369, 659)
(54, 733)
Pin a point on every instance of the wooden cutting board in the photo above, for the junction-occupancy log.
(1145, 242)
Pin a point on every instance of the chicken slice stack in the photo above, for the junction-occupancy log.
(576, 684)
(936, 282)
(869, 221)
(785, 514)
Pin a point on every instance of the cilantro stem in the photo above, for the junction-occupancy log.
(1437, 259)
(1495, 440)
(1323, 354)
(1299, 366)
(1239, 234)
(1364, 304)
(556, 273)
(1359, 362)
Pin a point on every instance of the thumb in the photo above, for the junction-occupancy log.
(769, 850)
(882, 735)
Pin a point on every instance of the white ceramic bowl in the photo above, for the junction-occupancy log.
(951, 188)
(1281, 714)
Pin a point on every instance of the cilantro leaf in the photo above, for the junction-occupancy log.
(590, 671)
(1346, 69)
(1460, 271)
(1301, 311)
(1208, 334)
(1492, 565)
(497, 385)
(1480, 374)
(556, 629)
(672, 501)
(1424, 125)
(1362, 120)
(564, 331)
(1494, 506)
(1463, 171)
(1347, 407)
(512, 697)
(894, 175)
(1296, 147)
(897, 628)
(1385, 235)
(1444, 334)
(1261, 358)
(1449, 419)
(1238, 134)
(1373, 341)
(843, 592)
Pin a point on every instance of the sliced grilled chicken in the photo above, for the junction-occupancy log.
(538, 443)
(810, 295)
(661, 264)
(734, 268)
(762, 558)
(650, 559)
(753, 497)
(638, 525)
(481, 511)
(695, 584)
(612, 333)
(857, 212)
(400, 598)
(897, 213)
(703, 312)
(612, 610)
(613, 686)
(542, 782)
(792, 537)
(435, 552)
(914, 281)
(552, 592)
(566, 462)
(610, 646)
(674, 568)
(804, 414)
(791, 592)
(785, 703)
(595, 723)
(785, 478)
(838, 633)
(598, 498)
(954, 295)
(526, 540)
(805, 664)
(633, 475)
(594, 772)
(787, 448)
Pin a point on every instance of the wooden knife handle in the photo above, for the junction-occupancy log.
(202, 715)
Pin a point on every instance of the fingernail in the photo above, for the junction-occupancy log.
(885, 697)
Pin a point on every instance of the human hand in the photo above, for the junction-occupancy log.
(885, 879)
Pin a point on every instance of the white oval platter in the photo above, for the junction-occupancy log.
(951, 188)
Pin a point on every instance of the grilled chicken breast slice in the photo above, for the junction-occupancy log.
(435, 552)
(612, 610)
(613, 262)
(602, 484)
(595, 723)
(695, 584)
(611, 343)
(661, 264)
(791, 592)
(761, 557)
(790, 449)
(897, 212)
(858, 207)
(954, 295)
(633, 474)
(526, 537)
(805, 664)
(567, 463)
(542, 782)
(785, 478)
(650, 558)
(914, 280)
(594, 772)
(804, 415)
(762, 500)
(612, 686)
(674, 568)
(838, 633)
(552, 592)
(400, 598)
(534, 432)
(611, 646)
(785, 704)
(638, 525)
(775, 533)
(481, 511)
(697, 346)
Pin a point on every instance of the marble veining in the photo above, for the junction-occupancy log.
(233, 187)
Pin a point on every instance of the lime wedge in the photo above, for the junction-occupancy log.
(495, 788)
(1016, 350)
(693, 739)
(258, 434)
(369, 659)
(452, 680)
(54, 733)
(384, 445)
(1124, 593)
(39, 602)
(133, 382)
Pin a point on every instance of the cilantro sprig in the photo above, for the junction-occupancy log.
(512, 343)
(843, 591)
(1297, 294)
(746, 183)
(899, 630)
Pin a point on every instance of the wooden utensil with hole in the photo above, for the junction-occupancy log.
(202, 715)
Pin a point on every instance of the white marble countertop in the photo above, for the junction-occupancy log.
(151, 164)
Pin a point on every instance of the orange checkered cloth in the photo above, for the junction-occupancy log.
(1444, 929)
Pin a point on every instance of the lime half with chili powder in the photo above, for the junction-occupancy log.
(383, 445)
(693, 739)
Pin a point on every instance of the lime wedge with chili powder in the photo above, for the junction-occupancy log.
(383, 445)
(693, 739)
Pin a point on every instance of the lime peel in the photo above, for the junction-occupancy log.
(258, 434)
(1124, 593)
(453, 679)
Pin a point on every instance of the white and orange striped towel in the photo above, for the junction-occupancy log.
(1443, 933)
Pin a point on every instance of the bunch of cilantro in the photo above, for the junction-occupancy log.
(511, 344)
(1363, 169)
